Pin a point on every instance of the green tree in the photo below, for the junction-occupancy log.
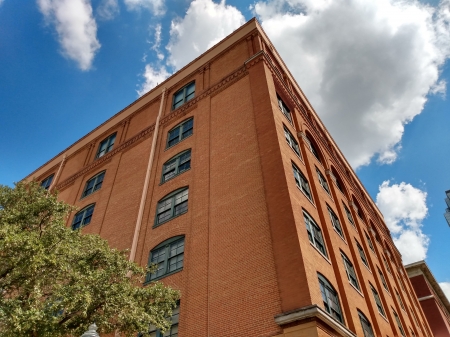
(56, 282)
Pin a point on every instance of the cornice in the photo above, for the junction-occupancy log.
(140, 136)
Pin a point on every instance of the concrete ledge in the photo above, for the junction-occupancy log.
(313, 311)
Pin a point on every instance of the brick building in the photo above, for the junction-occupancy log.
(432, 299)
(225, 176)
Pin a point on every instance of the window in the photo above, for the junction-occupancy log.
(168, 258)
(173, 330)
(383, 280)
(105, 146)
(180, 163)
(387, 265)
(312, 147)
(349, 215)
(180, 132)
(47, 182)
(291, 141)
(369, 241)
(335, 222)
(83, 217)
(301, 182)
(93, 184)
(361, 253)
(183, 95)
(350, 271)
(399, 299)
(284, 109)
(323, 181)
(398, 323)
(377, 300)
(401, 282)
(358, 211)
(337, 180)
(314, 234)
(365, 324)
(176, 203)
(330, 299)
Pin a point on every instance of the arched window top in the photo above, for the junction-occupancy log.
(312, 145)
(167, 257)
(172, 205)
(375, 232)
(338, 181)
(365, 324)
(330, 298)
(183, 95)
(180, 132)
(83, 217)
(93, 184)
(358, 209)
(176, 165)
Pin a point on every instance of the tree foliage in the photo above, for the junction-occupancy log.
(56, 282)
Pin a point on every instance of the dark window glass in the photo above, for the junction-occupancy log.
(323, 181)
(284, 109)
(349, 215)
(377, 300)
(314, 233)
(183, 95)
(399, 324)
(330, 299)
(47, 182)
(312, 147)
(335, 222)
(83, 217)
(174, 204)
(399, 299)
(93, 184)
(168, 258)
(106, 145)
(337, 181)
(361, 253)
(387, 265)
(180, 163)
(350, 271)
(291, 141)
(180, 132)
(366, 326)
(369, 241)
(383, 280)
(301, 182)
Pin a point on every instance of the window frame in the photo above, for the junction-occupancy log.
(312, 147)
(171, 196)
(94, 187)
(109, 146)
(47, 182)
(284, 109)
(166, 246)
(323, 181)
(175, 323)
(383, 280)
(369, 242)
(399, 324)
(292, 142)
(377, 299)
(184, 91)
(336, 223)
(178, 163)
(365, 323)
(315, 234)
(181, 132)
(301, 182)
(350, 270)
(83, 211)
(362, 254)
(349, 215)
(332, 307)
(399, 300)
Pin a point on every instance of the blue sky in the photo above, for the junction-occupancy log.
(375, 71)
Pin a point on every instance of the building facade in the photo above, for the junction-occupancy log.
(225, 177)
(432, 299)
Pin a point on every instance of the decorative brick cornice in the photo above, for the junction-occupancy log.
(178, 113)
(107, 157)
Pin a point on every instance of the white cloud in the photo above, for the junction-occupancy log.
(1, 1)
(108, 9)
(445, 286)
(404, 208)
(152, 78)
(366, 65)
(204, 24)
(76, 28)
(157, 44)
(155, 6)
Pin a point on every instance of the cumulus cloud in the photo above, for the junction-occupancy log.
(108, 9)
(445, 286)
(76, 28)
(157, 44)
(152, 76)
(204, 24)
(404, 208)
(366, 65)
(157, 7)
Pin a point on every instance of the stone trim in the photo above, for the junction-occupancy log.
(314, 311)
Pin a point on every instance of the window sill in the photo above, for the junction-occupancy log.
(306, 196)
(290, 122)
(342, 238)
(359, 291)
(383, 316)
(163, 276)
(173, 177)
(174, 217)
(317, 249)
(87, 196)
(167, 148)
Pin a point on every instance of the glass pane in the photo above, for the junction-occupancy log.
(164, 216)
(181, 197)
(169, 175)
(181, 208)
(164, 205)
(174, 134)
(185, 166)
